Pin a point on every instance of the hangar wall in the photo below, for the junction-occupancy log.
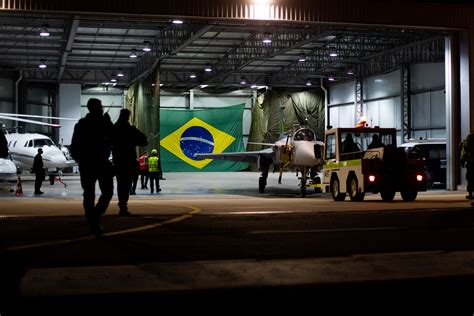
(381, 103)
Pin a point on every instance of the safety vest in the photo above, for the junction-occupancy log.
(143, 162)
(153, 164)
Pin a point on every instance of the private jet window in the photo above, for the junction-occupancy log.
(43, 142)
(30, 143)
(14, 144)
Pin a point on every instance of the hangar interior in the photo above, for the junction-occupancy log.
(395, 76)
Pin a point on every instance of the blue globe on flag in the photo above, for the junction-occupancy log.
(196, 139)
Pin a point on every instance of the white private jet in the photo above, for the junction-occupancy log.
(23, 147)
(300, 151)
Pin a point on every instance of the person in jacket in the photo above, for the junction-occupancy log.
(125, 141)
(467, 161)
(143, 161)
(91, 148)
(38, 169)
(154, 171)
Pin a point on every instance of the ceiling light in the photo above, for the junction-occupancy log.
(302, 58)
(331, 78)
(133, 53)
(203, 86)
(44, 30)
(267, 39)
(350, 72)
(254, 86)
(192, 76)
(208, 68)
(113, 79)
(42, 64)
(120, 73)
(243, 81)
(177, 21)
(308, 82)
(146, 46)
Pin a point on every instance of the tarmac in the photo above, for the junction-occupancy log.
(236, 193)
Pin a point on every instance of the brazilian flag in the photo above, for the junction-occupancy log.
(186, 132)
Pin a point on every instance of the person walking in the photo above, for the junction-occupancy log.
(154, 171)
(126, 138)
(91, 148)
(143, 161)
(38, 169)
(467, 161)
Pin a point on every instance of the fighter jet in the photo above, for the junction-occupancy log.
(299, 151)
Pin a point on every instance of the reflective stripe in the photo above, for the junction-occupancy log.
(340, 164)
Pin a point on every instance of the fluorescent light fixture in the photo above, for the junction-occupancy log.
(208, 68)
(203, 86)
(350, 72)
(266, 38)
(133, 53)
(331, 78)
(146, 46)
(162, 84)
(302, 58)
(333, 53)
(192, 76)
(42, 64)
(120, 73)
(308, 82)
(243, 81)
(177, 21)
(44, 30)
(113, 79)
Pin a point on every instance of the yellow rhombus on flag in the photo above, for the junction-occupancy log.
(196, 136)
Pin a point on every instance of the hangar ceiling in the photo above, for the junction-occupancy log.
(93, 50)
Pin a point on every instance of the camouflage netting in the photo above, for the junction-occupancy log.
(277, 112)
(143, 101)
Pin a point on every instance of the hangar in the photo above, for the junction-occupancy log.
(405, 64)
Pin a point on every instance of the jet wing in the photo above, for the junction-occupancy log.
(243, 156)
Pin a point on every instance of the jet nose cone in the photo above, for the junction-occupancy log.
(304, 154)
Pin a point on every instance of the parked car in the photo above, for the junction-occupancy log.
(433, 151)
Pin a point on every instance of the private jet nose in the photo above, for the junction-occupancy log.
(304, 154)
(54, 158)
(7, 167)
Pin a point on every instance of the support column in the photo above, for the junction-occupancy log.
(359, 96)
(405, 127)
(454, 83)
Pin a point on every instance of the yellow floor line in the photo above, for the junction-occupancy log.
(194, 210)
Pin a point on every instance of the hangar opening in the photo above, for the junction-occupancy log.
(285, 73)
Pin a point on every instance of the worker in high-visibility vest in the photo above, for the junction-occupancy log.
(154, 171)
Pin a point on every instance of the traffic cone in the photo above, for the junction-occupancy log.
(19, 189)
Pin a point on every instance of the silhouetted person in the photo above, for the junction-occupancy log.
(91, 148)
(134, 178)
(154, 171)
(467, 161)
(348, 145)
(3, 145)
(38, 169)
(126, 138)
(376, 143)
(143, 162)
